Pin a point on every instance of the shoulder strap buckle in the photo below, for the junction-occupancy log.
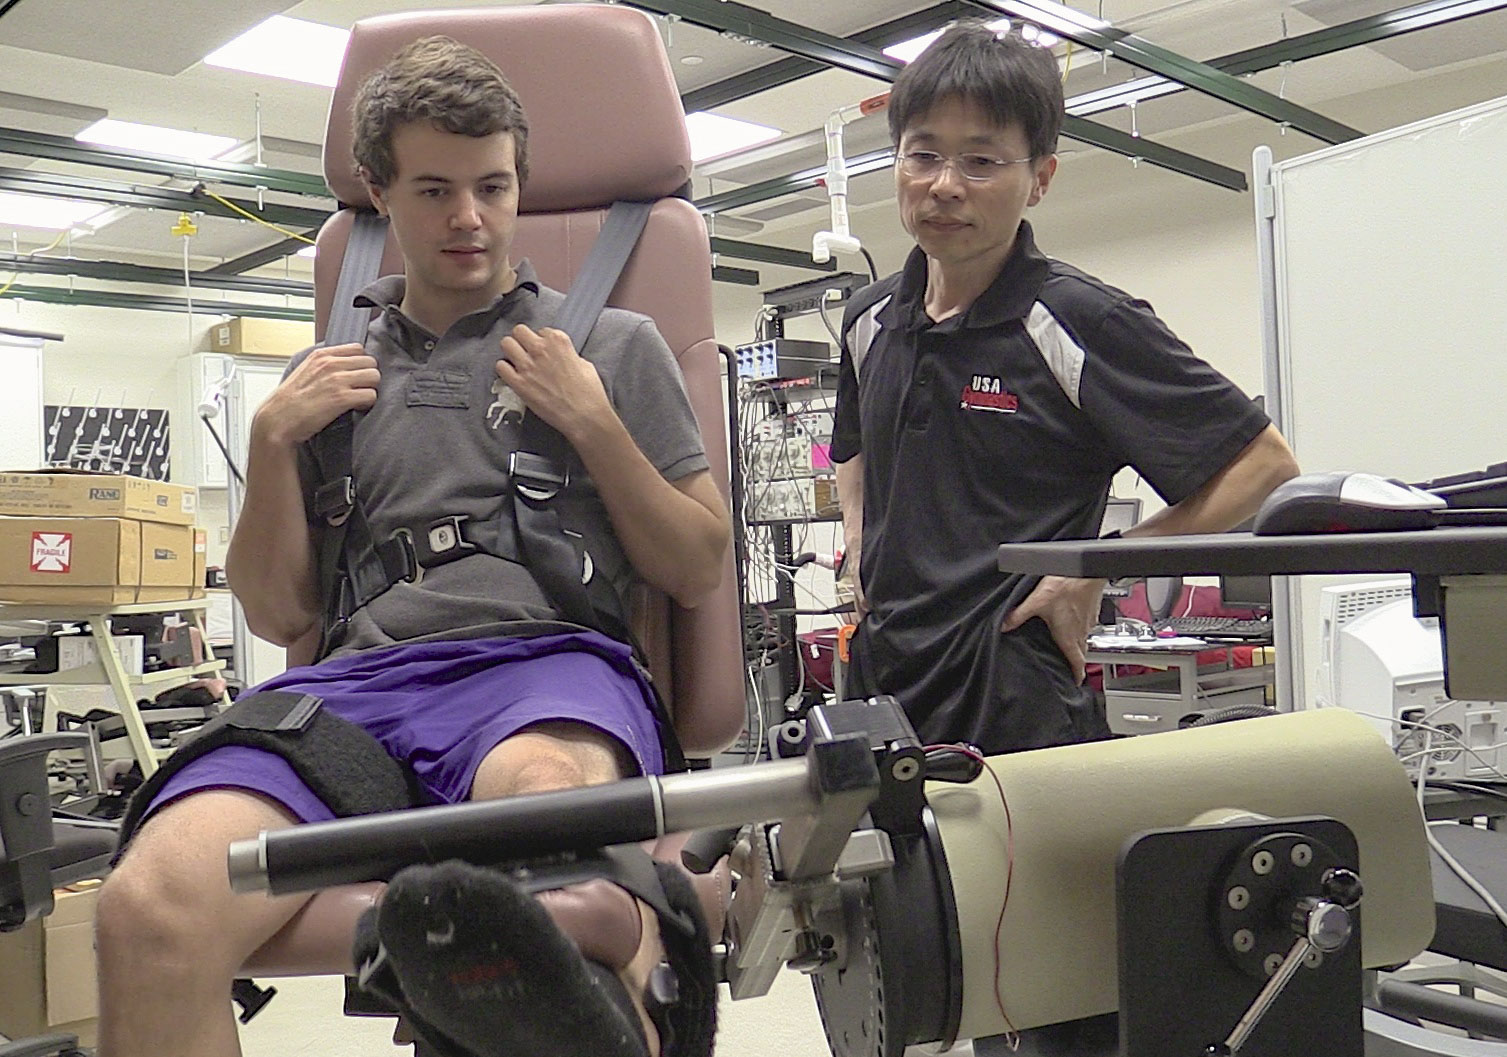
(536, 477)
(399, 558)
(444, 540)
(334, 500)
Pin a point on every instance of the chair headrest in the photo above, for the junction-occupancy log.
(605, 120)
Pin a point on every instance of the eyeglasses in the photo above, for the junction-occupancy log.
(925, 164)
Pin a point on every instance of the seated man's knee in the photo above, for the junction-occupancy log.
(550, 756)
(147, 908)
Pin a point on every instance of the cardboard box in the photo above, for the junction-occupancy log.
(76, 651)
(109, 561)
(77, 493)
(168, 560)
(48, 970)
(249, 336)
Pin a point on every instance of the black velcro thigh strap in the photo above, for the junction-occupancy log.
(345, 766)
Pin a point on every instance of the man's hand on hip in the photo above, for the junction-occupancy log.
(1070, 607)
(329, 382)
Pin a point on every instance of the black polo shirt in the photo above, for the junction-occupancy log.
(1006, 423)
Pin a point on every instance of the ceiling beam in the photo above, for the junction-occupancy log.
(755, 251)
(266, 255)
(739, 20)
(121, 272)
(63, 148)
(57, 295)
(144, 196)
(1091, 32)
(1361, 31)
(1312, 45)
(721, 273)
(793, 68)
(862, 58)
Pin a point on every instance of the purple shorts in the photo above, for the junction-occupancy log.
(442, 706)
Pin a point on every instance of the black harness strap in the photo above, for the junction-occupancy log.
(335, 507)
(540, 466)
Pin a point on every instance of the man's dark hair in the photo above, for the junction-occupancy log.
(1011, 79)
(444, 83)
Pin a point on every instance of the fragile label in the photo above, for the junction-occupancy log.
(51, 552)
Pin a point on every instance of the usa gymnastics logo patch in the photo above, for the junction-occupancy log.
(987, 393)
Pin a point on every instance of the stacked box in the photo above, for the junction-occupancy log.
(97, 539)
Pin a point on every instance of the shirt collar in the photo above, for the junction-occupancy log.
(387, 292)
(1010, 296)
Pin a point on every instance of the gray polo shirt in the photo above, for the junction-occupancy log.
(437, 443)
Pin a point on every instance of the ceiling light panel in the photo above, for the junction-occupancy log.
(46, 214)
(713, 135)
(154, 139)
(291, 48)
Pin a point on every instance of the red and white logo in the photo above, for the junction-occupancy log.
(987, 393)
(51, 552)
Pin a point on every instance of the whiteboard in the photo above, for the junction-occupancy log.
(1390, 297)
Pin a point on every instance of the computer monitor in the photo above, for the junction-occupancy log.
(1119, 515)
(1245, 592)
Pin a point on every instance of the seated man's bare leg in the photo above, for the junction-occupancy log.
(550, 756)
(171, 936)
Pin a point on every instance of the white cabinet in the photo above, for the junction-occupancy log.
(21, 399)
(196, 457)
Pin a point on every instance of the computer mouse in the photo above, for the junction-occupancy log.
(1345, 502)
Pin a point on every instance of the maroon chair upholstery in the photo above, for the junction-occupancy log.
(605, 124)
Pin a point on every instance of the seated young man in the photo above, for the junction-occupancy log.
(467, 675)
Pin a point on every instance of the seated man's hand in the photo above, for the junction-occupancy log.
(552, 378)
(330, 381)
(1070, 607)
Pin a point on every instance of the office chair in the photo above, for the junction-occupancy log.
(606, 124)
(39, 853)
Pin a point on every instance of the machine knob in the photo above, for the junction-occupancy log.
(1342, 887)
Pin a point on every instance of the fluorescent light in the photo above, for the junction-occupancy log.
(907, 50)
(290, 48)
(46, 214)
(713, 135)
(1136, 91)
(154, 139)
(307, 251)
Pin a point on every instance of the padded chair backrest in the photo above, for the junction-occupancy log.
(605, 123)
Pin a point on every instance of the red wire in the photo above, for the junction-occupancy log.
(999, 925)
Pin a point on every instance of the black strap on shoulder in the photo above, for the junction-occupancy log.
(540, 467)
(335, 510)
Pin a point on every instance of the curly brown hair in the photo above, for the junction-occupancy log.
(438, 80)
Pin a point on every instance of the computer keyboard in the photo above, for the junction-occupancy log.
(1220, 627)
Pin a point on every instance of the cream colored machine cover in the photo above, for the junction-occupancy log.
(1074, 807)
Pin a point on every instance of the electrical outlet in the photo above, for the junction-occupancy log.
(224, 533)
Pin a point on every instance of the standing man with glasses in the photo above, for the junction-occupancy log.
(989, 394)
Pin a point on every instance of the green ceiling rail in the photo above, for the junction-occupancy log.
(1091, 32)
(64, 148)
(58, 295)
(122, 272)
(740, 20)
(144, 196)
